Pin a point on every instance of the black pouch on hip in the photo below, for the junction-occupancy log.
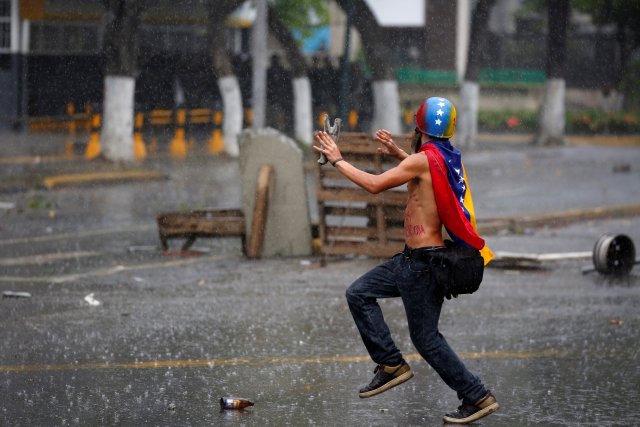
(458, 270)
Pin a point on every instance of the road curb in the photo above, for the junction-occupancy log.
(517, 224)
(67, 180)
(514, 138)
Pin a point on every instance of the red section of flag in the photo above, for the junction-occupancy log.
(449, 208)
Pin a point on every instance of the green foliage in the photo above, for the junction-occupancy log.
(39, 202)
(624, 13)
(303, 15)
(581, 122)
(618, 10)
(528, 6)
(508, 120)
(599, 122)
(630, 86)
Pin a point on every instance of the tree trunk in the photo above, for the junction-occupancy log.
(551, 119)
(386, 95)
(467, 125)
(259, 36)
(119, 84)
(232, 112)
(302, 110)
(440, 30)
(467, 121)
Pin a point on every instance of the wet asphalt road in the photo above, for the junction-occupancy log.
(115, 333)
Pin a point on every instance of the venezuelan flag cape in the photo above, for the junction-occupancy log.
(453, 196)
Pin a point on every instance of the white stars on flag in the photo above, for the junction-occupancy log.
(460, 177)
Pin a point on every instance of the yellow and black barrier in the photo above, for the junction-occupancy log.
(178, 144)
(248, 118)
(93, 148)
(181, 128)
(216, 142)
(139, 147)
(352, 120)
(72, 128)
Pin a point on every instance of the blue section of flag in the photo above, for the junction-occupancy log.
(453, 160)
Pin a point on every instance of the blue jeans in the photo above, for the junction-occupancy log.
(409, 275)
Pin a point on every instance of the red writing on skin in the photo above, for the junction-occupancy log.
(413, 230)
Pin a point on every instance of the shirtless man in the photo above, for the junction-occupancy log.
(409, 274)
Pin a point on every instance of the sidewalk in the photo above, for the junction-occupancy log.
(527, 138)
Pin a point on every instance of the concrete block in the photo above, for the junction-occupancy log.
(288, 226)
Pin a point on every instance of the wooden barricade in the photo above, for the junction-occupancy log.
(222, 222)
(200, 223)
(264, 190)
(351, 220)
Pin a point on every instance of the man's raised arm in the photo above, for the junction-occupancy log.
(409, 168)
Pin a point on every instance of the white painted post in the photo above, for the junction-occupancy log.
(303, 114)
(551, 119)
(386, 99)
(117, 123)
(232, 113)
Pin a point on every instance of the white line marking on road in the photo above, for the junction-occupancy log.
(112, 270)
(78, 234)
(46, 258)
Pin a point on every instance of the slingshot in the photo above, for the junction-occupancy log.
(333, 131)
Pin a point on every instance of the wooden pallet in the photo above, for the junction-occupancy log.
(200, 223)
(351, 220)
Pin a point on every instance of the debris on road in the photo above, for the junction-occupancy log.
(229, 402)
(91, 300)
(13, 294)
(613, 255)
(532, 260)
(622, 168)
(147, 248)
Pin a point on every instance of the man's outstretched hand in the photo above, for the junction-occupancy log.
(390, 148)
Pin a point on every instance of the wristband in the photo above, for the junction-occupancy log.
(339, 159)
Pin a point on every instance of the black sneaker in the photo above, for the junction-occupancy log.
(469, 413)
(386, 377)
